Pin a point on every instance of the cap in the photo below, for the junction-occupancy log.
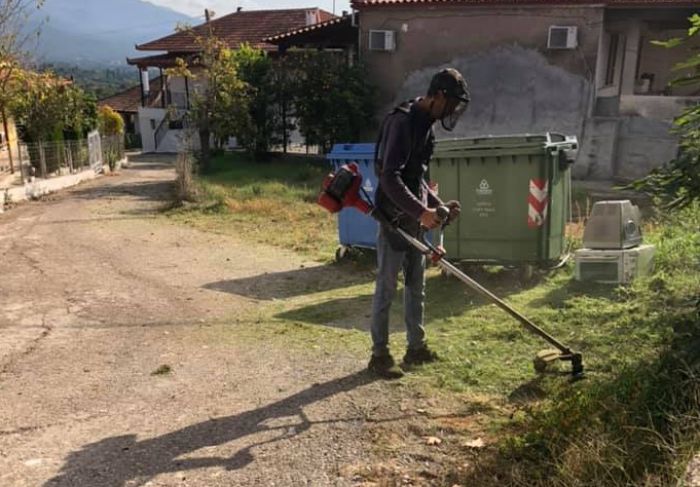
(452, 83)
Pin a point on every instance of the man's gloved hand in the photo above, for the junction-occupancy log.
(455, 209)
(429, 219)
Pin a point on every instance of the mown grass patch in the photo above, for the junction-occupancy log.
(631, 422)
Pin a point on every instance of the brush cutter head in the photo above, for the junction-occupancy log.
(545, 358)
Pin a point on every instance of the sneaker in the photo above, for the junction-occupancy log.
(419, 356)
(385, 367)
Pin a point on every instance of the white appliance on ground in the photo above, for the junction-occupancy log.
(613, 250)
(614, 266)
(613, 225)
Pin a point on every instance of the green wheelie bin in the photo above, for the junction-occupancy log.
(515, 195)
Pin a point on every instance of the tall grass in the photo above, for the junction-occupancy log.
(269, 202)
(638, 426)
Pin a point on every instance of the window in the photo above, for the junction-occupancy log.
(611, 68)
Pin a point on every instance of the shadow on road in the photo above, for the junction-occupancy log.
(112, 462)
(156, 160)
(299, 282)
(158, 190)
(445, 298)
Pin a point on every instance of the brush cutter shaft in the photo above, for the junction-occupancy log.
(451, 269)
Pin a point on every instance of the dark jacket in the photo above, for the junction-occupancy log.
(404, 149)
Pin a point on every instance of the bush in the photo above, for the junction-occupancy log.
(258, 72)
(677, 183)
(334, 102)
(133, 141)
(110, 122)
(636, 427)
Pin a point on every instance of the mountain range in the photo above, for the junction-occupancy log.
(98, 32)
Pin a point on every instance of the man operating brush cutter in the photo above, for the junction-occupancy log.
(405, 207)
(404, 149)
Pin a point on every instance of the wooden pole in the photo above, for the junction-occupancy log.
(162, 88)
(143, 97)
(42, 160)
(19, 156)
(7, 138)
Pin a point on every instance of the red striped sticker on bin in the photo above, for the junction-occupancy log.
(538, 202)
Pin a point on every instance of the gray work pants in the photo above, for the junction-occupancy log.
(389, 263)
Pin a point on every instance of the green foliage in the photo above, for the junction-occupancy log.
(333, 102)
(677, 184)
(47, 105)
(111, 156)
(635, 419)
(110, 122)
(133, 141)
(258, 72)
(80, 113)
(219, 105)
(101, 82)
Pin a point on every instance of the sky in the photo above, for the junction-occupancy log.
(196, 8)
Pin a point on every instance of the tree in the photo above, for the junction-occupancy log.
(258, 72)
(12, 15)
(48, 108)
(47, 105)
(333, 102)
(677, 183)
(219, 106)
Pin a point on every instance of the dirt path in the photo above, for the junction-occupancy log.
(96, 293)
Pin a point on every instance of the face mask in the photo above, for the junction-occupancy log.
(449, 122)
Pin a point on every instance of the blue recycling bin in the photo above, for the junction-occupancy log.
(354, 228)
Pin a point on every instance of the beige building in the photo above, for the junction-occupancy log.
(574, 66)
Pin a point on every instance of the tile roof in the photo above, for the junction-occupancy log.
(359, 4)
(305, 29)
(168, 60)
(246, 26)
(129, 100)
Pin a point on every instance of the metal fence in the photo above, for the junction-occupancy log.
(52, 159)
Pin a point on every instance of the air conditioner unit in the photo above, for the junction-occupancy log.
(562, 37)
(382, 40)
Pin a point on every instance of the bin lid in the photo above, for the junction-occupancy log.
(508, 144)
(351, 149)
